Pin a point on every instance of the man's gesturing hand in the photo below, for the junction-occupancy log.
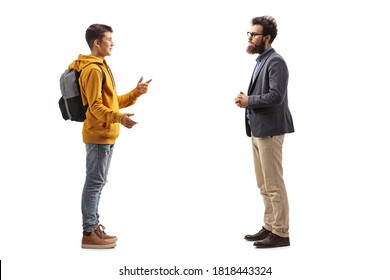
(143, 87)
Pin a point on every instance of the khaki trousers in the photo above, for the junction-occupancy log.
(267, 156)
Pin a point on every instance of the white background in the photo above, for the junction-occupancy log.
(181, 187)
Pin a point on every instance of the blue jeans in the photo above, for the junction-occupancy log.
(97, 165)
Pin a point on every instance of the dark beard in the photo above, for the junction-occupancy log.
(257, 48)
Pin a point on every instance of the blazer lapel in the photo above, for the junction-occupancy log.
(263, 61)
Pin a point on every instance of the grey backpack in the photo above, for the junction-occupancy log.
(70, 103)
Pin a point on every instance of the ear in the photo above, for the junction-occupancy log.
(267, 39)
(96, 43)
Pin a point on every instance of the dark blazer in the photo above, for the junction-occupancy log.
(267, 109)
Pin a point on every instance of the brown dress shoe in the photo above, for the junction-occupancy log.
(263, 233)
(273, 241)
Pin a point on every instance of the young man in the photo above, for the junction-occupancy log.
(101, 127)
(267, 119)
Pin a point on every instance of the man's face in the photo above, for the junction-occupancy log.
(105, 45)
(256, 40)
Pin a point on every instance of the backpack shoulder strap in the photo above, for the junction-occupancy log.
(103, 74)
(101, 69)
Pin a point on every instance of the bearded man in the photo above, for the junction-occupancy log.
(267, 120)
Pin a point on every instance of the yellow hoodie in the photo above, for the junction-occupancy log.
(103, 117)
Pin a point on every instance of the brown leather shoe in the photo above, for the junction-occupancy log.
(263, 233)
(102, 229)
(273, 241)
(95, 240)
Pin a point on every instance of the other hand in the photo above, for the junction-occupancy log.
(241, 100)
(127, 122)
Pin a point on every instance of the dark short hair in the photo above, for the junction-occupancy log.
(96, 31)
(269, 26)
